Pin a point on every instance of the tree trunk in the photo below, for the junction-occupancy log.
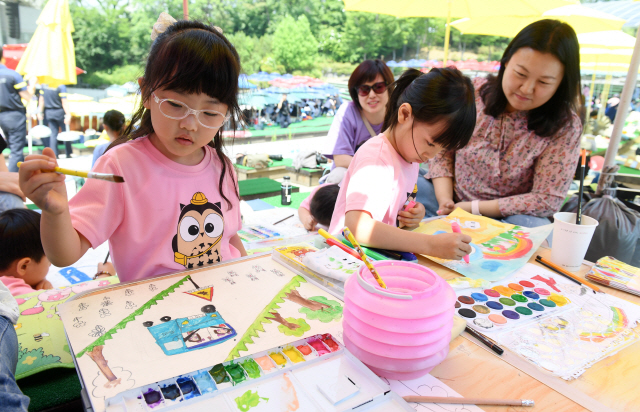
(97, 356)
(295, 297)
(404, 51)
(278, 318)
(394, 54)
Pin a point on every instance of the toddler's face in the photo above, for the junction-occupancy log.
(36, 272)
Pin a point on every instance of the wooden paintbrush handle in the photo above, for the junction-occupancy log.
(571, 275)
(469, 401)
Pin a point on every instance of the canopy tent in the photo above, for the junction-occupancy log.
(628, 10)
(456, 8)
(50, 55)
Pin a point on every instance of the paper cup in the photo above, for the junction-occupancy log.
(571, 241)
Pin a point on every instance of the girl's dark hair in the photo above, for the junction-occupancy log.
(115, 120)
(545, 36)
(441, 94)
(19, 236)
(367, 72)
(323, 204)
(191, 57)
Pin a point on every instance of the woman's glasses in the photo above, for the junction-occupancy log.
(378, 88)
(174, 109)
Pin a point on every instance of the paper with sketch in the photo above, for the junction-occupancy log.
(429, 386)
(332, 262)
(499, 249)
(136, 334)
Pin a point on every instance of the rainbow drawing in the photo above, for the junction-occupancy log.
(520, 248)
(618, 323)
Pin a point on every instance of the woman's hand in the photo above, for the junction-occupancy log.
(446, 207)
(411, 218)
(45, 188)
(9, 183)
(453, 246)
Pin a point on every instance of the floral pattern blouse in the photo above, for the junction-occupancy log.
(528, 174)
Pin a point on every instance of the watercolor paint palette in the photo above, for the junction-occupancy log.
(510, 304)
(312, 374)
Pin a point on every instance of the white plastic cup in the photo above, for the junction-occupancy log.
(571, 241)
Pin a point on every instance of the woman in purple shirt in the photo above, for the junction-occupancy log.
(359, 120)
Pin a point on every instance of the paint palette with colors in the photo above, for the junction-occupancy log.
(312, 374)
(511, 303)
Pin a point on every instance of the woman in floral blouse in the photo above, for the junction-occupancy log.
(521, 158)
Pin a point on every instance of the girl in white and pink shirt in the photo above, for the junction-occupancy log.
(178, 206)
(426, 113)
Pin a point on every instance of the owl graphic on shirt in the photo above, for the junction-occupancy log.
(200, 229)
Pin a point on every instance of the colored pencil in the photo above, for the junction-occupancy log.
(558, 272)
(582, 167)
(347, 233)
(469, 401)
(497, 349)
(455, 227)
(333, 242)
(569, 274)
(282, 220)
(370, 253)
(107, 258)
(87, 175)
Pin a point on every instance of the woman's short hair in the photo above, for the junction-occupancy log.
(545, 36)
(367, 72)
(114, 120)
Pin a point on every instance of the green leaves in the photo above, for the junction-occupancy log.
(294, 45)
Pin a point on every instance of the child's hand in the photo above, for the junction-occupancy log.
(309, 222)
(446, 207)
(44, 284)
(453, 246)
(45, 189)
(107, 267)
(411, 217)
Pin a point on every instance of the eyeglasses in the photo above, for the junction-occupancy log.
(174, 109)
(378, 88)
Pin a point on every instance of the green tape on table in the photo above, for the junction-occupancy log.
(256, 186)
(296, 199)
(53, 387)
(275, 163)
(629, 171)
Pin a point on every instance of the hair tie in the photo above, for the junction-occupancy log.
(163, 23)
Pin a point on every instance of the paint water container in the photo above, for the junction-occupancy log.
(401, 332)
(285, 191)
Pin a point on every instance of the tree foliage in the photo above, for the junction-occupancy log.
(293, 44)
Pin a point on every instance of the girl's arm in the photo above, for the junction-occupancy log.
(306, 218)
(443, 187)
(237, 243)
(62, 244)
(370, 232)
(342, 160)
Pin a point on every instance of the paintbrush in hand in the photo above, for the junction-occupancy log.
(86, 175)
(582, 167)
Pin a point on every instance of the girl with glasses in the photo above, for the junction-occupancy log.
(426, 114)
(361, 119)
(178, 206)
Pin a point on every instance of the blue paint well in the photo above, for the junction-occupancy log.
(536, 306)
(480, 297)
(495, 305)
(531, 295)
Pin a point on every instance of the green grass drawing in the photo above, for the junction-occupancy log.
(33, 360)
(303, 327)
(256, 326)
(153, 301)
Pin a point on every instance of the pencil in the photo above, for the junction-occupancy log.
(347, 233)
(558, 272)
(107, 258)
(87, 175)
(497, 349)
(583, 153)
(469, 401)
(282, 220)
(569, 274)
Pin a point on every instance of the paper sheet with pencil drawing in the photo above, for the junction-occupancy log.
(271, 227)
(429, 386)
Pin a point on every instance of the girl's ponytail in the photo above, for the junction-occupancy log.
(442, 94)
(395, 96)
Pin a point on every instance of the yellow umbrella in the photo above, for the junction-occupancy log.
(582, 19)
(611, 39)
(456, 8)
(50, 55)
(77, 97)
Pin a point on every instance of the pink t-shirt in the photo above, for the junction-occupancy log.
(379, 181)
(164, 218)
(16, 286)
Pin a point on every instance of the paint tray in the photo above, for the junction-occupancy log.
(312, 374)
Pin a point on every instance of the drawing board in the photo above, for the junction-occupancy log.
(499, 249)
(138, 333)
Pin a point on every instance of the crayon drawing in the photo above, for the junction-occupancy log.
(192, 319)
(499, 249)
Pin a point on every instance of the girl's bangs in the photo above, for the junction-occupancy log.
(194, 62)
